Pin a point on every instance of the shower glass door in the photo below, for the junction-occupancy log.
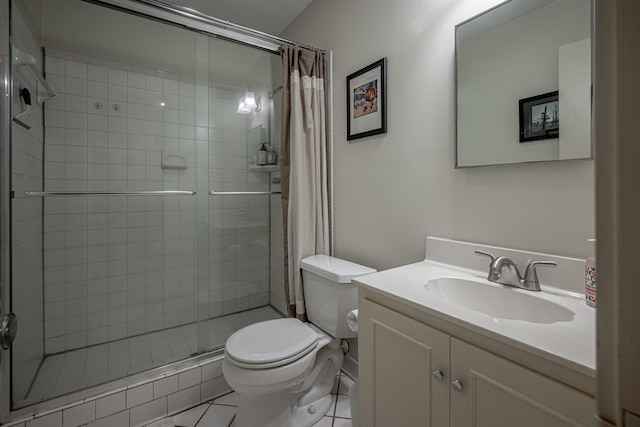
(122, 261)
(240, 243)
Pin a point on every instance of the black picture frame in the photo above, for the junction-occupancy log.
(367, 101)
(539, 117)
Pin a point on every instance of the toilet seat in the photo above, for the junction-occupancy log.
(271, 344)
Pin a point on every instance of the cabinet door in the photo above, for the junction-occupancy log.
(397, 357)
(499, 393)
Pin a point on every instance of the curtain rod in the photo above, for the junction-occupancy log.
(220, 24)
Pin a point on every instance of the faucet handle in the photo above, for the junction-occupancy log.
(493, 258)
(494, 274)
(531, 276)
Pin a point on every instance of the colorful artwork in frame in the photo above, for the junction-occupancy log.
(366, 101)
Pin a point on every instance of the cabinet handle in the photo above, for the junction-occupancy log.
(457, 385)
(438, 375)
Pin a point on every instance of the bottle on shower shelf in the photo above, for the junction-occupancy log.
(272, 156)
(262, 155)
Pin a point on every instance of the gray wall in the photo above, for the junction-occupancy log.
(393, 190)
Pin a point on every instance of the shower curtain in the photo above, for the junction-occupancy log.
(305, 186)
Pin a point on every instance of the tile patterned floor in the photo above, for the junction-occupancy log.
(221, 411)
(74, 370)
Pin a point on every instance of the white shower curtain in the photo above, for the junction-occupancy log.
(305, 186)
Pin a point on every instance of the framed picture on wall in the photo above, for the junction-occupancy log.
(367, 101)
(539, 117)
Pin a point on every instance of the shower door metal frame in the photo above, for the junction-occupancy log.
(5, 215)
(199, 21)
(154, 9)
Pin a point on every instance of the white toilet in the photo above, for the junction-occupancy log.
(284, 369)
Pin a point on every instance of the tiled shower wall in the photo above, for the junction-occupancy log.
(121, 266)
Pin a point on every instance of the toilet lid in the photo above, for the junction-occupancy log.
(271, 341)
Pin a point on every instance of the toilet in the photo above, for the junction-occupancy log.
(284, 369)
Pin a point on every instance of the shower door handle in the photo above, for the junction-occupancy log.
(8, 329)
(242, 193)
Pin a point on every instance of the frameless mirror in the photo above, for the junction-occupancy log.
(523, 83)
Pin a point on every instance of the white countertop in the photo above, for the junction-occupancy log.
(568, 343)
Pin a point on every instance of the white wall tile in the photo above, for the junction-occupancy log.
(116, 93)
(139, 395)
(183, 399)
(155, 99)
(78, 415)
(75, 86)
(165, 386)
(117, 77)
(121, 419)
(97, 73)
(76, 69)
(57, 103)
(141, 415)
(57, 83)
(75, 120)
(111, 404)
(189, 378)
(98, 89)
(54, 66)
(136, 80)
(55, 119)
(76, 103)
(214, 388)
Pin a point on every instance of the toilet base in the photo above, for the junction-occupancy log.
(300, 406)
(306, 416)
(272, 410)
(257, 412)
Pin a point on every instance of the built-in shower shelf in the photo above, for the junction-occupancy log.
(266, 168)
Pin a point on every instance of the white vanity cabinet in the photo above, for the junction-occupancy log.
(398, 358)
(401, 360)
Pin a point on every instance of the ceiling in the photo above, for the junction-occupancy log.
(268, 16)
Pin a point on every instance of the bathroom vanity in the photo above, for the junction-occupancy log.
(439, 345)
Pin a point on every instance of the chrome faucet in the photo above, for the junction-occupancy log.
(504, 271)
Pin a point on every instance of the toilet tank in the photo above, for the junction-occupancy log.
(329, 294)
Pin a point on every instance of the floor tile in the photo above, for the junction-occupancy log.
(332, 408)
(161, 423)
(324, 422)
(217, 416)
(341, 422)
(190, 417)
(343, 407)
(345, 384)
(230, 399)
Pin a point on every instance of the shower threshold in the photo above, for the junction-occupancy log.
(76, 370)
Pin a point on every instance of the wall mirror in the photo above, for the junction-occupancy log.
(523, 84)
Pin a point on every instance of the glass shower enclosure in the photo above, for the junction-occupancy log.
(139, 230)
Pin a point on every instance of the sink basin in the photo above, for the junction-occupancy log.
(499, 301)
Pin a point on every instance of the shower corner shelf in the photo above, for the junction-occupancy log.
(267, 168)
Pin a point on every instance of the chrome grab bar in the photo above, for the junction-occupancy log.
(241, 193)
(108, 193)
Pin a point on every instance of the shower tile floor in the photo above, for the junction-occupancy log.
(75, 370)
(220, 412)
